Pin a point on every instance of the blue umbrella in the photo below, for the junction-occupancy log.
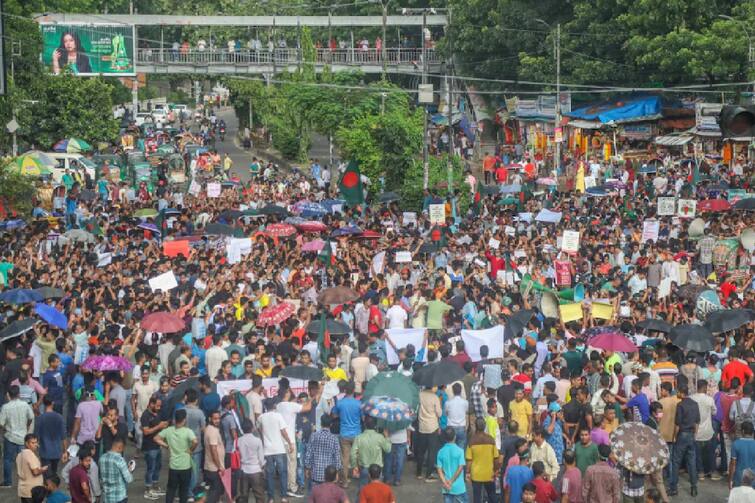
(309, 209)
(20, 296)
(388, 409)
(172, 211)
(51, 315)
(647, 169)
(346, 231)
(149, 227)
(597, 192)
(511, 189)
(328, 204)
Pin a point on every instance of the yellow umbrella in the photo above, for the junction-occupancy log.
(29, 165)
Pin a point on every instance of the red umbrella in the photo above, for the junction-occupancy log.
(613, 342)
(714, 205)
(280, 230)
(312, 226)
(274, 315)
(163, 322)
(370, 235)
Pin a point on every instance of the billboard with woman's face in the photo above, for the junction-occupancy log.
(99, 49)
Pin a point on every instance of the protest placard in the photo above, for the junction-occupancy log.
(213, 189)
(164, 282)
(403, 256)
(650, 230)
(687, 208)
(570, 241)
(437, 214)
(666, 206)
(490, 337)
(402, 337)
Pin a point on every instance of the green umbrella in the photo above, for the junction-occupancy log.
(395, 385)
(29, 165)
(508, 200)
(146, 213)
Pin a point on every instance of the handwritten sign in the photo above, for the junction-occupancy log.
(650, 230)
(403, 256)
(570, 241)
(437, 214)
(666, 206)
(410, 218)
(494, 243)
(213, 189)
(164, 282)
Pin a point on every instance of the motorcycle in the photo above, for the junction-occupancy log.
(222, 133)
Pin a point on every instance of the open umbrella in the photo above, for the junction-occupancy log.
(20, 296)
(337, 295)
(510, 189)
(216, 229)
(724, 320)
(311, 226)
(72, 146)
(489, 190)
(547, 181)
(388, 409)
(146, 213)
(303, 372)
(79, 236)
(745, 204)
(597, 192)
(149, 227)
(48, 292)
(16, 328)
(273, 209)
(309, 209)
(346, 231)
(333, 327)
(280, 230)
(438, 374)
(163, 322)
(639, 448)
(28, 165)
(107, 363)
(313, 246)
(602, 330)
(230, 215)
(393, 384)
(51, 315)
(713, 205)
(387, 197)
(42, 158)
(87, 195)
(692, 338)
(613, 342)
(277, 314)
(655, 324)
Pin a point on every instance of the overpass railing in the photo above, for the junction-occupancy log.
(284, 56)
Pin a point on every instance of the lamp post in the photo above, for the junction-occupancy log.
(750, 47)
(557, 120)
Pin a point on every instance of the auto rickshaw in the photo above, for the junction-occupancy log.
(116, 166)
(177, 169)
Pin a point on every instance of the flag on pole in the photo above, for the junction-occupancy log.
(350, 185)
(326, 255)
(323, 339)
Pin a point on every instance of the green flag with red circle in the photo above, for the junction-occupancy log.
(350, 185)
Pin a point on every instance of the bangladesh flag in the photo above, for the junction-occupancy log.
(350, 185)
(326, 255)
(323, 339)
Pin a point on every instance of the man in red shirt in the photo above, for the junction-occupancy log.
(544, 490)
(376, 491)
(735, 368)
(375, 323)
(79, 480)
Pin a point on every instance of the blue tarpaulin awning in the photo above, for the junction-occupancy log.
(618, 111)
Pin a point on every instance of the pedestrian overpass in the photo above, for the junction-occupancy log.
(159, 57)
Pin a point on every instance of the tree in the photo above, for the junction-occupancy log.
(16, 191)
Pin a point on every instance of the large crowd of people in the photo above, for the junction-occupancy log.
(261, 392)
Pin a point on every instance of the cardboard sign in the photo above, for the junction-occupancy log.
(494, 243)
(666, 206)
(401, 338)
(213, 189)
(176, 248)
(403, 256)
(687, 208)
(570, 241)
(164, 282)
(410, 218)
(650, 230)
(570, 312)
(378, 264)
(437, 214)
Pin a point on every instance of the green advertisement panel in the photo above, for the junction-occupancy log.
(101, 49)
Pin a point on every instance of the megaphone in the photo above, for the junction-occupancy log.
(747, 238)
(696, 228)
(526, 285)
(576, 294)
(549, 305)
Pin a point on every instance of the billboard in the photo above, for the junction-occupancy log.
(100, 49)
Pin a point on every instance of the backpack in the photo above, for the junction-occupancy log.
(743, 417)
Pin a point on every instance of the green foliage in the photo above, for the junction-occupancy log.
(16, 190)
(411, 189)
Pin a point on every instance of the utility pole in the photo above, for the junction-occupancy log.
(449, 88)
(251, 117)
(13, 79)
(384, 50)
(426, 130)
(557, 144)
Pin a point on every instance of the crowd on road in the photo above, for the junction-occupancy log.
(275, 338)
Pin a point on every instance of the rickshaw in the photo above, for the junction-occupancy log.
(176, 169)
(116, 166)
(143, 172)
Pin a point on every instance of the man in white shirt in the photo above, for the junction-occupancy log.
(456, 411)
(396, 316)
(276, 443)
(288, 409)
(215, 356)
(252, 461)
(704, 435)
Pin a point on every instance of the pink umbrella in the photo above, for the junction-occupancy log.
(277, 314)
(163, 322)
(312, 226)
(613, 342)
(313, 246)
(107, 363)
(280, 230)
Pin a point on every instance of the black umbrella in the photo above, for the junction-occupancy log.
(48, 292)
(516, 323)
(745, 204)
(723, 320)
(387, 197)
(438, 374)
(175, 396)
(334, 327)
(219, 229)
(16, 328)
(274, 209)
(655, 324)
(231, 214)
(692, 338)
(303, 372)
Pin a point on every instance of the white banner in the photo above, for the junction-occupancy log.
(402, 337)
(403, 256)
(490, 337)
(548, 216)
(378, 264)
(410, 217)
(235, 248)
(164, 282)
(270, 384)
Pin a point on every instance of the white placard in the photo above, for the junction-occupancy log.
(378, 263)
(164, 282)
(548, 216)
(403, 256)
(490, 337)
(570, 241)
(269, 383)
(666, 206)
(213, 189)
(409, 217)
(650, 230)
(104, 259)
(437, 214)
(200, 285)
(494, 243)
(525, 217)
(178, 198)
(509, 231)
(687, 208)
(194, 188)
(664, 288)
(402, 337)
(589, 182)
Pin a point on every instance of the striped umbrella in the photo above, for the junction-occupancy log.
(29, 165)
(72, 146)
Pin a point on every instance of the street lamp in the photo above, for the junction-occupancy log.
(557, 120)
(750, 48)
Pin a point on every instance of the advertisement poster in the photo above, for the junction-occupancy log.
(101, 49)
